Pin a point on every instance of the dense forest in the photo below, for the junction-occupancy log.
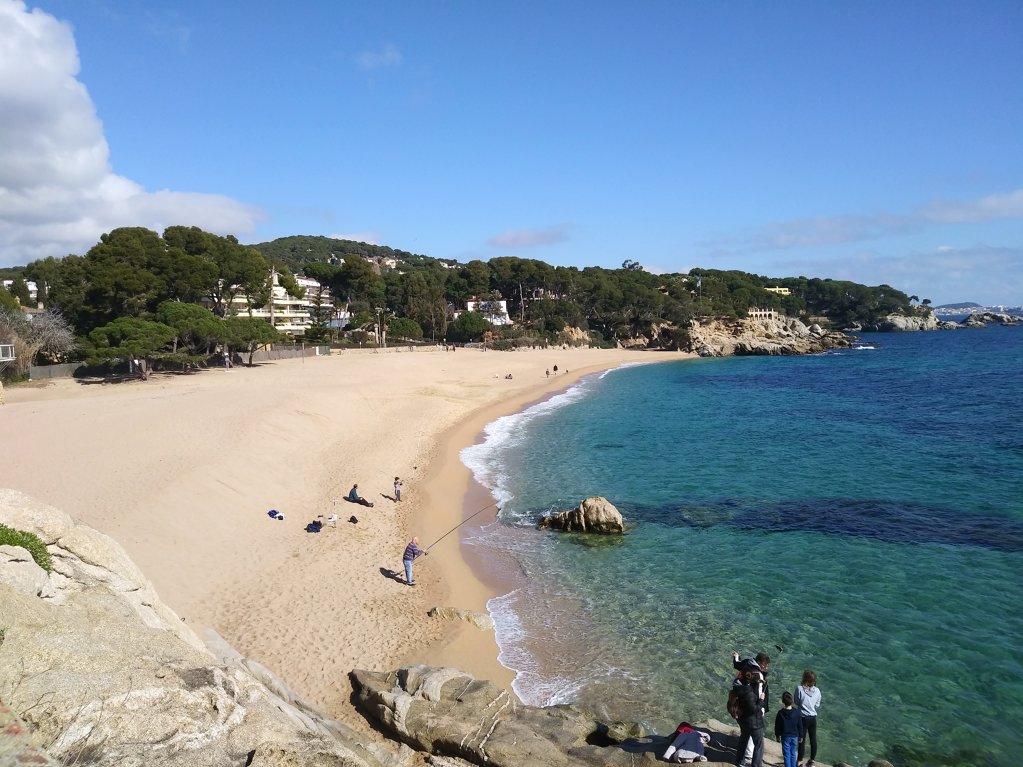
(126, 295)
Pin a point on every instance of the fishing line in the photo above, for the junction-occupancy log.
(460, 524)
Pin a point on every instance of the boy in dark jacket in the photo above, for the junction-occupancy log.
(788, 729)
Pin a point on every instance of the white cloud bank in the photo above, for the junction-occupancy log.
(58, 193)
(834, 230)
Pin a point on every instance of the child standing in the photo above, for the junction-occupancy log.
(788, 729)
(397, 489)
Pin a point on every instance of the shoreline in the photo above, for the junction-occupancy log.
(464, 580)
(181, 469)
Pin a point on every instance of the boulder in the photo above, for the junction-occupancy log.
(900, 323)
(450, 714)
(981, 319)
(593, 515)
(482, 621)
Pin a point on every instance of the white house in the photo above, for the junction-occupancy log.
(495, 310)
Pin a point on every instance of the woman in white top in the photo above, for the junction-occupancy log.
(807, 698)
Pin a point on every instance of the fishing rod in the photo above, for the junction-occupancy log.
(460, 524)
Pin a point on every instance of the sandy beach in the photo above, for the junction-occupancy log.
(182, 470)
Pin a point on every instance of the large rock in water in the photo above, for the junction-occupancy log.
(593, 515)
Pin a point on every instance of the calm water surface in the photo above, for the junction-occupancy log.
(859, 513)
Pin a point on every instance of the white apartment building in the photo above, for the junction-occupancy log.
(289, 314)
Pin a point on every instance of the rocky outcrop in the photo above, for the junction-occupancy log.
(901, 323)
(981, 319)
(593, 515)
(449, 713)
(724, 337)
(102, 672)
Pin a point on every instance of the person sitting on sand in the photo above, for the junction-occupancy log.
(354, 497)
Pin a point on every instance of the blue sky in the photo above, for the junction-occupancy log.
(871, 141)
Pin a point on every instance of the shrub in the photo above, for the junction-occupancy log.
(11, 537)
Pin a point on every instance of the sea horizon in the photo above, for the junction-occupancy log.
(844, 479)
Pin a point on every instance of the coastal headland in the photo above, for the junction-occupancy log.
(183, 469)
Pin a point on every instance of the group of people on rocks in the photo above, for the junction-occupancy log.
(794, 724)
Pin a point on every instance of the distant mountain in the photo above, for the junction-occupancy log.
(963, 305)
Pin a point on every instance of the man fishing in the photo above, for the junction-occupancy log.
(411, 552)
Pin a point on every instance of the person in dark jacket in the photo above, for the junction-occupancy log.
(753, 671)
(751, 722)
(788, 729)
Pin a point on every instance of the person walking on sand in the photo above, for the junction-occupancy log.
(807, 699)
(397, 489)
(788, 729)
(411, 552)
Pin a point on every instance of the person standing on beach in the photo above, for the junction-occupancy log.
(753, 672)
(397, 489)
(788, 729)
(807, 699)
(750, 716)
(411, 552)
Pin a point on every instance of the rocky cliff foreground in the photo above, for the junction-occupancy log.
(95, 670)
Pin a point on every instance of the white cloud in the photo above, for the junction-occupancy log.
(386, 56)
(833, 230)
(58, 193)
(946, 274)
(530, 238)
(989, 208)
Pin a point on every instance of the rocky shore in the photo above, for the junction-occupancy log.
(724, 337)
(95, 669)
(899, 323)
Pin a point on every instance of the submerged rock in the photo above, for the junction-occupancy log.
(593, 515)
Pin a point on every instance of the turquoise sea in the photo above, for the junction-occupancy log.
(859, 513)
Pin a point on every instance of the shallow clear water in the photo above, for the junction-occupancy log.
(858, 513)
